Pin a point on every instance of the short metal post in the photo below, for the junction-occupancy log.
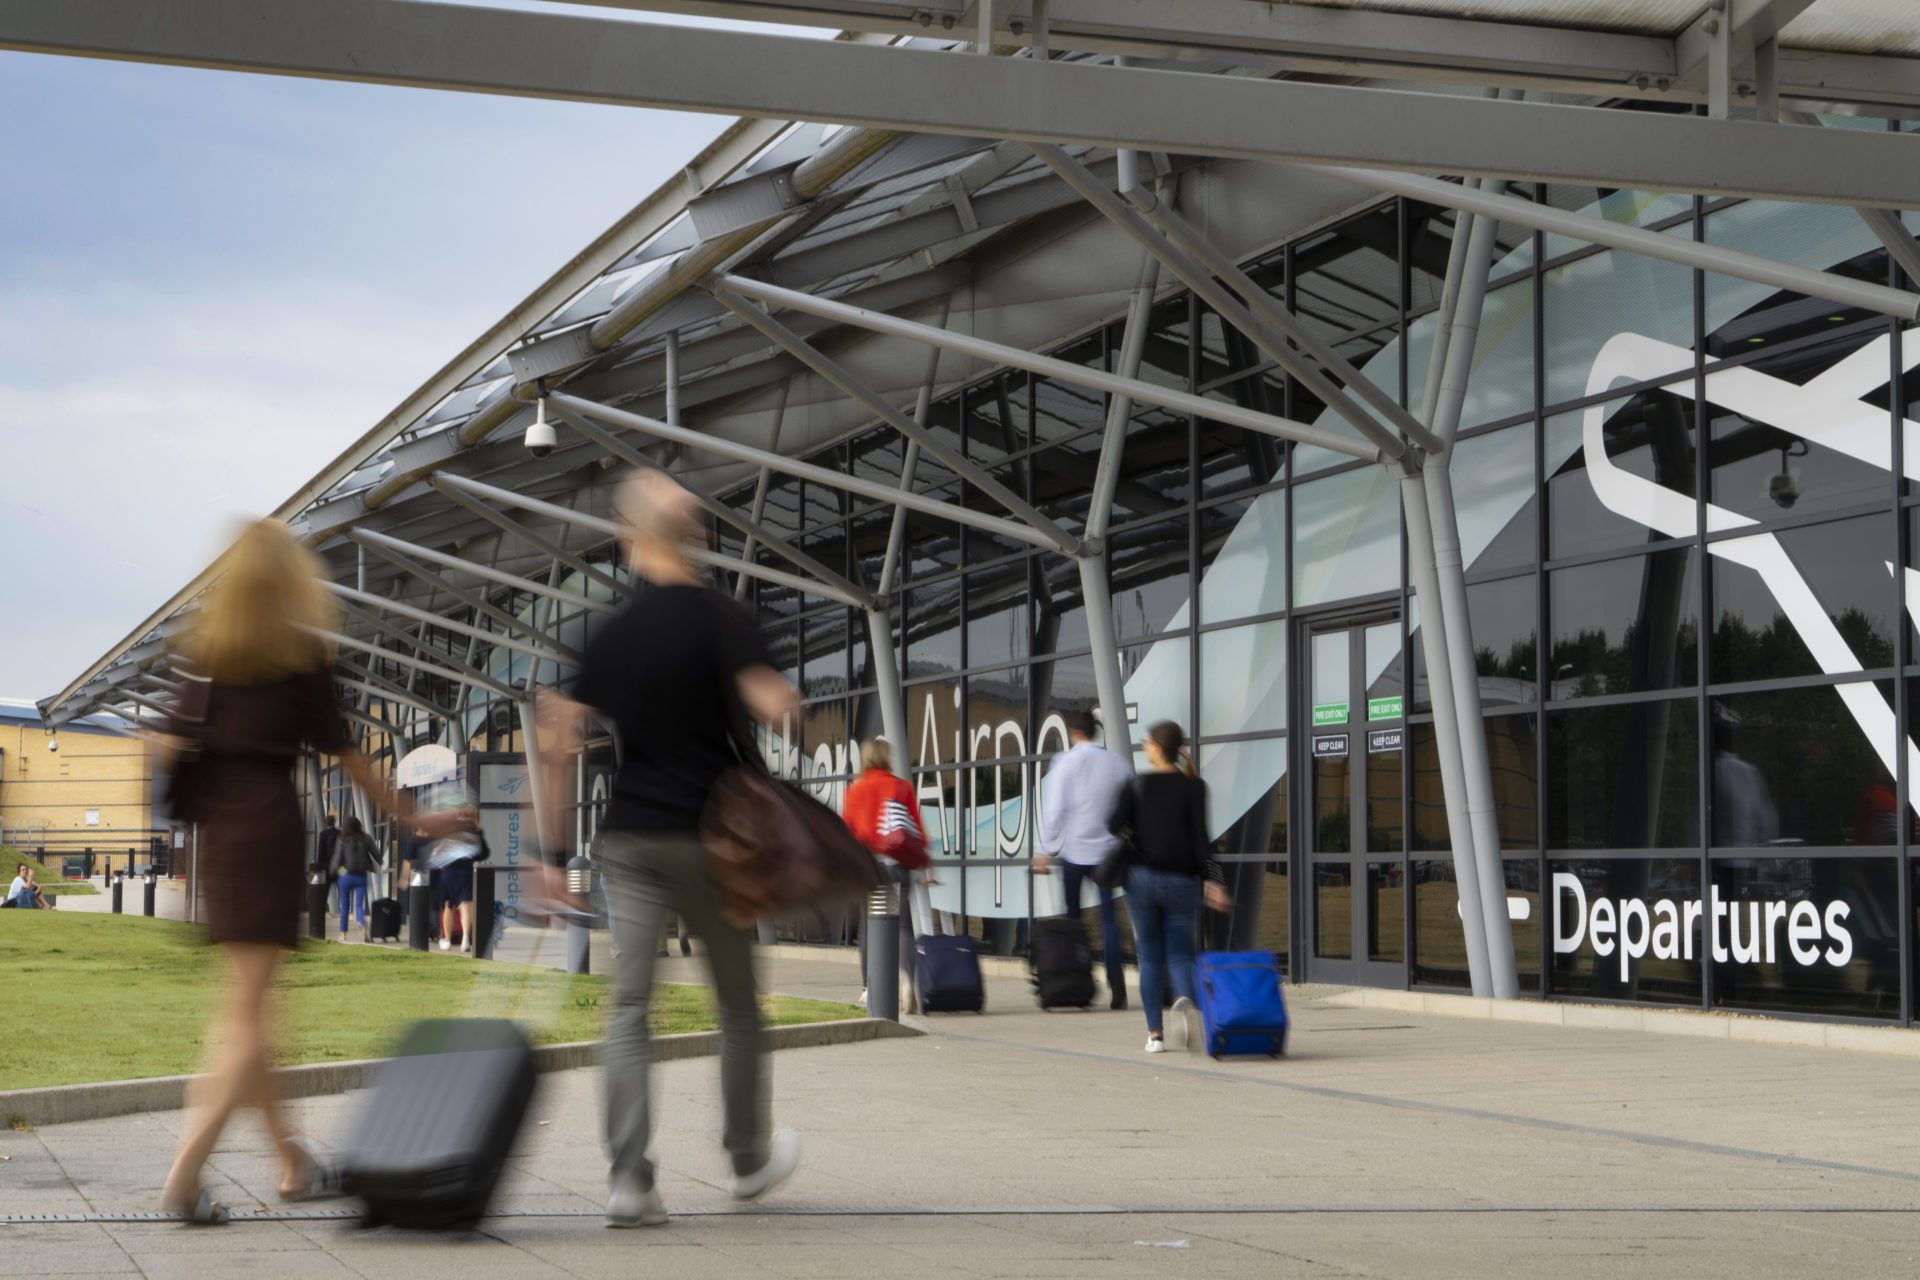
(146, 894)
(116, 895)
(883, 951)
(579, 936)
(317, 906)
(417, 904)
(483, 918)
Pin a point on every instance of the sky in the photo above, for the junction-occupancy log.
(211, 284)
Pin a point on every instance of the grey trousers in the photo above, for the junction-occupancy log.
(651, 877)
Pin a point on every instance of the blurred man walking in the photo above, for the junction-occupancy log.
(679, 672)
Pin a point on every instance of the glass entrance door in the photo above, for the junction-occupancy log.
(1356, 828)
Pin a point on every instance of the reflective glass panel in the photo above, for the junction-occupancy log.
(1150, 577)
(1625, 626)
(1243, 557)
(1797, 767)
(1765, 626)
(1628, 929)
(1346, 531)
(1243, 679)
(1640, 486)
(1624, 777)
(1806, 934)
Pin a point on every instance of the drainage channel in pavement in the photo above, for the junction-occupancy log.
(1004, 1211)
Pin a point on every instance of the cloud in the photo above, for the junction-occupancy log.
(211, 284)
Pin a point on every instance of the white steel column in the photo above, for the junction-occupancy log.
(1446, 724)
(1460, 315)
(1095, 589)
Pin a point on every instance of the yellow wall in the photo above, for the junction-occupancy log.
(91, 771)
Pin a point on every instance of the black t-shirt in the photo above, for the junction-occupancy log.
(666, 669)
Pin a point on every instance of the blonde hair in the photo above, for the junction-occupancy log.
(876, 754)
(253, 626)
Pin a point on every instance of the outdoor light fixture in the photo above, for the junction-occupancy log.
(540, 438)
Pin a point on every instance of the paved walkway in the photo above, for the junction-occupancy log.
(1386, 1144)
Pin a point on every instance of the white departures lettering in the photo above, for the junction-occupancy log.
(1747, 932)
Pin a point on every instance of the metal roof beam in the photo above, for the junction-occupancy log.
(810, 586)
(478, 604)
(374, 540)
(1093, 379)
(754, 531)
(1688, 253)
(481, 634)
(874, 490)
(539, 542)
(616, 62)
(431, 665)
(837, 376)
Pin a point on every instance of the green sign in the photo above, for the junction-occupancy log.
(1329, 713)
(1384, 708)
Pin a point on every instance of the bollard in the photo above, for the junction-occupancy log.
(483, 919)
(883, 951)
(317, 906)
(417, 906)
(116, 895)
(146, 894)
(579, 936)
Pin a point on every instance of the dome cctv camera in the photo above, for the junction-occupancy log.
(53, 744)
(540, 437)
(1784, 488)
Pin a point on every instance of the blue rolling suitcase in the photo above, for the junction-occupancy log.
(947, 971)
(1241, 1008)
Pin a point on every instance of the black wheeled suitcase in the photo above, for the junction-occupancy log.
(947, 972)
(1062, 964)
(383, 919)
(429, 1148)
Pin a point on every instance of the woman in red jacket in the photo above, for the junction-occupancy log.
(884, 814)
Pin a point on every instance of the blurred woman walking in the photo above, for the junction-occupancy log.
(259, 690)
(1170, 857)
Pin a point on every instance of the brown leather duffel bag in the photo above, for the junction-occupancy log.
(777, 851)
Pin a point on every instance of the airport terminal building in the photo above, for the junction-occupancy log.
(1686, 545)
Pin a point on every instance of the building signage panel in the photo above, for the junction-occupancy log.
(1384, 708)
(1329, 713)
(1379, 740)
(1330, 746)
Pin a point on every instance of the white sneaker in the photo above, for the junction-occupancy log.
(467, 946)
(1156, 1045)
(1184, 1016)
(863, 997)
(343, 937)
(445, 945)
(783, 1157)
(629, 1206)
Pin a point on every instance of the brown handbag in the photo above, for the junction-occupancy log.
(776, 851)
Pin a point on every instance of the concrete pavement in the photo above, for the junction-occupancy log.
(1030, 1144)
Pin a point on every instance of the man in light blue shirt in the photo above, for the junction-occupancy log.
(1083, 788)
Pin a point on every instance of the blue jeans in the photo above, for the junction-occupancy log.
(1074, 875)
(353, 892)
(1162, 906)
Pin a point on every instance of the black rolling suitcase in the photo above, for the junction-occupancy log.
(383, 919)
(429, 1148)
(1062, 964)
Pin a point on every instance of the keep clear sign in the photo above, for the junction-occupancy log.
(1379, 740)
(1330, 746)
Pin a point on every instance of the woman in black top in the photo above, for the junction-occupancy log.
(1166, 807)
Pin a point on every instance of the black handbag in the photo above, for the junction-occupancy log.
(179, 791)
(1111, 873)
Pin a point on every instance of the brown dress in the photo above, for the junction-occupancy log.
(252, 839)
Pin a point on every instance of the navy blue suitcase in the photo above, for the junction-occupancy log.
(947, 971)
(1241, 1008)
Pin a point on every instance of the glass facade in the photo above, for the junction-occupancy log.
(1687, 547)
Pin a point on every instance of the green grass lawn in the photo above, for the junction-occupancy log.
(102, 997)
(50, 881)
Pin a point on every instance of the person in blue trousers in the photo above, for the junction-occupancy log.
(353, 859)
(1085, 784)
(1172, 871)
